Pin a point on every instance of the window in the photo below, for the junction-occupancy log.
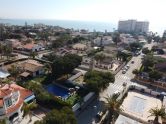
(8, 102)
(15, 97)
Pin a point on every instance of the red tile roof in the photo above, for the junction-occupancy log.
(7, 90)
(29, 46)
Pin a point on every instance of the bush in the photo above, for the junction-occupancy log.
(61, 116)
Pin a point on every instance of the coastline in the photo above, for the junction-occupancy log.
(88, 25)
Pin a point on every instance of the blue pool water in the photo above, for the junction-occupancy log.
(57, 91)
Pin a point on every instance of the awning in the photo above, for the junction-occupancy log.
(3, 74)
(29, 98)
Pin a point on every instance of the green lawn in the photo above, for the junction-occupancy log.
(44, 79)
(72, 100)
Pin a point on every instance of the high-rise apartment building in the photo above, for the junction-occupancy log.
(129, 26)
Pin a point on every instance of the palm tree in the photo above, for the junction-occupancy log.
(135, 71)
(33, 55)
(113, 106)
(27, 109)
(157, 112)
(14, 71)
(7, 51)
(99, 57)
(47, 68)
(1, 50)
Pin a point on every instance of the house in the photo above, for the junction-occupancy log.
(12, 98)
(62, 52)
(79, 46)
(105, 64)
(31, 68)
(106, 40)
(14, 43)
(31, 47)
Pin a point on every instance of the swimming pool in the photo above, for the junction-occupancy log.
(57, 91)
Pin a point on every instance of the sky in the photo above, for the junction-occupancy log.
(88, 10)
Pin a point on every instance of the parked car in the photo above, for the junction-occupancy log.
(124, 84)
(124, 72)
(117, 92)
(127, 66)
(99, 115)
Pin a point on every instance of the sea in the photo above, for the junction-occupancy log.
(77, 25)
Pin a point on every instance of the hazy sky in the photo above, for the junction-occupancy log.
(89, 10)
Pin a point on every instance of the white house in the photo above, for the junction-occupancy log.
(12, 99)
(106, 40)
(33, 47)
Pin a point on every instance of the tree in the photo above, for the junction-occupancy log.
(97, 81)
(149, 39)
(3, 121)
(33, 55)
(123, 56)
(65, 65)
(7, 51)
(155, 75)
(116, 38)
(135, 71)
(135, 46)
(1, 50)
(99, 57)
(157, 112)
(148, 61)
(63, 116)
(157, 38)
(113, 106)
(27, 109)
(47, 68)
(14, 71)
(146, 51)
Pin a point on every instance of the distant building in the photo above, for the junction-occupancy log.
(33, 47)
(142, 26)
(129, 26)
(13, 43)
(79, 46)
(106, 40)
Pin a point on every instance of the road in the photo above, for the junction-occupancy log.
(88, 115)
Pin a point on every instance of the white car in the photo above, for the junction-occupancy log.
(127, 66)
(123, 71)
(117, 92)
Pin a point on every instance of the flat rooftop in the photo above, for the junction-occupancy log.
(139, 104)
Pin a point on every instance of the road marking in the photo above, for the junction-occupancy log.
(122, 77)
(115, 87)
